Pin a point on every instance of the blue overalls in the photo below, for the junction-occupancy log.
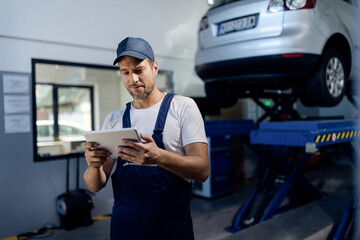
(150, 202)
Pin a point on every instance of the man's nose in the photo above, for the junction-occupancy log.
(135, 77)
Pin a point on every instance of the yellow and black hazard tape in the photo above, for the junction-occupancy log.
(337, 136)
(48, 230)
(32, 234)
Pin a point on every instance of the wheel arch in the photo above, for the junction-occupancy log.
(340, 42)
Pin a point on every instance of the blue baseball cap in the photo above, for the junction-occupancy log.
(134, 47)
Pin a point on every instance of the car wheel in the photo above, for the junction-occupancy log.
(218, 94)
(328, 85)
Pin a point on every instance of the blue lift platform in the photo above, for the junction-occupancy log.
(311, 135)
(282, 138)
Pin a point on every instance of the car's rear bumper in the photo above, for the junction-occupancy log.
(265, 67)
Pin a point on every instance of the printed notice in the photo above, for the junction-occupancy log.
(17, 123)
(16, 104)
(16, 83)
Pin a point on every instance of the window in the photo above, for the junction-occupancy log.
(63, 113)
(70, 98)
(63, 97)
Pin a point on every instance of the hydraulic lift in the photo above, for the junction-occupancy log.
(279, 142)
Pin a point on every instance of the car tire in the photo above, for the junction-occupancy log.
(328, 85)
(219, 95)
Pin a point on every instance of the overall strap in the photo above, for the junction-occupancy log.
(126, 116)
(164, 109)
(126, 123)
(160, 121)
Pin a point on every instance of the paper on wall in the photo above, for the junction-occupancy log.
(16, 83)
(16, 104)
(17, 123)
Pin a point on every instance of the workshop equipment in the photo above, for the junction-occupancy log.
(281, 138)
(74, 207)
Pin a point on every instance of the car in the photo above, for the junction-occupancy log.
(70, 139)
(306, 46)
(68, 131)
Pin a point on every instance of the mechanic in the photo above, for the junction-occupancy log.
(152, 179)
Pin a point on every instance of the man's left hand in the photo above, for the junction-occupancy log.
(147, 153)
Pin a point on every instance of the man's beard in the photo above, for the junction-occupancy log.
(143, 95)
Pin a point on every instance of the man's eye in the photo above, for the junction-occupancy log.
(138, 71)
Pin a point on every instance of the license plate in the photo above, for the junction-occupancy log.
(239, 24)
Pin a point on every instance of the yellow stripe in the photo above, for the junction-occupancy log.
(328, 137)
(35, 232)
(347, 134)
(323, 138)
(351, 134)
(355, 133)
(338, 136)
(342, 135)
(100, 218)
(317, 138)
(11, 238)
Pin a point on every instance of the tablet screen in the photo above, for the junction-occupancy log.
(110, 139)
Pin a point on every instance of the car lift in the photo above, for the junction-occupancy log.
(282, 109)
(283, 104)
(284, 137)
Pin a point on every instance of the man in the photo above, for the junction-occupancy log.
(151, 183)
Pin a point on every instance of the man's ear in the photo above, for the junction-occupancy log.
(155, 68)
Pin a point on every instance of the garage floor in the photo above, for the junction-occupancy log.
(312, 221)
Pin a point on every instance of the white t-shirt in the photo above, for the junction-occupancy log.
(184, 123)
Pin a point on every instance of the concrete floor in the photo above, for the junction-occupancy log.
(313, 221)
(210, 217)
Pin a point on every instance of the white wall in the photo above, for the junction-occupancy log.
(84, 31)
(88, 31)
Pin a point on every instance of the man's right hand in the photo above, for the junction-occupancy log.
(94, 156)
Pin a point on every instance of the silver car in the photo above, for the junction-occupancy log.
(303, 45)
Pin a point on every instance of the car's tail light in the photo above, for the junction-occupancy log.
(203, 24)
(292, 55)
(285, 5)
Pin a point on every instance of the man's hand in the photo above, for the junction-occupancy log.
(94, 156)
(194, 165)
(147, 153)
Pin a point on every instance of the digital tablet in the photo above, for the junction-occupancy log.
(110, 139)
